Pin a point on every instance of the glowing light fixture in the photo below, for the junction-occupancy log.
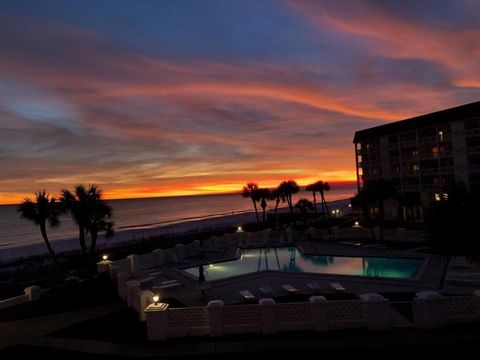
(357, 223)
(105, 257)
(155, 299)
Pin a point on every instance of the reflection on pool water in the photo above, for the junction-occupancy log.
(290, 259)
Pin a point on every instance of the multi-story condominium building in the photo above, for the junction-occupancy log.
(422, 156)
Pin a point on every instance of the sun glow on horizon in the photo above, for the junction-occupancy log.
(138, 193)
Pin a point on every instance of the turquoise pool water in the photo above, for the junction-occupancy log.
(291, 260)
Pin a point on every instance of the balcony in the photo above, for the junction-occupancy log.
(473, 150)
(472, 132)
(428, 140)
(474, 168)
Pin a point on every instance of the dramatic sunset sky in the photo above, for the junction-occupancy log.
(151, 98)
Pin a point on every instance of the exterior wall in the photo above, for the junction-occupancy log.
(423, 160)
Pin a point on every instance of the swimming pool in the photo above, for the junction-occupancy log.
(291, 260)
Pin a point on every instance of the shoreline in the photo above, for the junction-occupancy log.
(9, 254)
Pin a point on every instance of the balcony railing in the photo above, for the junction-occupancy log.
(472, 132)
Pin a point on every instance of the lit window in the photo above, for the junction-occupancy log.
(438, 197)
(416, 168)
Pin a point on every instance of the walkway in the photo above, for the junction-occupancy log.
(28, 331)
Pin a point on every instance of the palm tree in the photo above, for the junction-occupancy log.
(44, 210)
(264, 194)
(313, 188)
(304, 206)
(288, 188)
(360, 202)
(76, 203)
(90, 212)
(100, 211)
(319, 187)
(378, 191)
(251, 191)
(277, 195)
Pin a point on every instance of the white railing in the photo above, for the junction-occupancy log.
(430, 310)
(32, 293)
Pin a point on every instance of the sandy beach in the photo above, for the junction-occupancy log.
(11, 252)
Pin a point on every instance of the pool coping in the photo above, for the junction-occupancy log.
(415, 279)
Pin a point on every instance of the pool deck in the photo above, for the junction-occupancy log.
(193, 293)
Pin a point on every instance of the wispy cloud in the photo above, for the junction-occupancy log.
(79, 105)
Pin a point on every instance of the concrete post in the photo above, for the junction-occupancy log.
(114, 269)
(130, 287)
(267, 309)
(476, 294)
(266, 235)
(145, 300)
(157, 321)
(135, 264)
(335, 232)
(103, 267)
(32, 292)
(215, 317)
(429, 310)
(159, 254)
(376, 310)
(289, 233)
(318, 305)
(196, 245)
(310, 233)
(122, 278)
(180, 251)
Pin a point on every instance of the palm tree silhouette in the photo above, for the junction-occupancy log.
(313, 188)
(90, 212)
(277, 195)
(288, 188)
(43, 210)
(377, 191)
(251, 191)
(360, 202)
(319, 187)
(100, 212)
(264, 194)
(304, 206)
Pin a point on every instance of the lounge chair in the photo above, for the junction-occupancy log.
(146, 279)
(315, 287)
(246, 294)
(337, 287)
(166, 286)
(166, 282)
(289, 288)
(266, 290)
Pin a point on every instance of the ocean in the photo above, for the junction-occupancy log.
(144, 214)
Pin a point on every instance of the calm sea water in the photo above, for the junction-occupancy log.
(144, 213)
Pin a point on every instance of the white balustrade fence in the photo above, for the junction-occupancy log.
(372, 312)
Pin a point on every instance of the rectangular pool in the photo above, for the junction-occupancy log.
(289, 259)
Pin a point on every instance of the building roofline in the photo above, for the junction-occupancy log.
(457, 113)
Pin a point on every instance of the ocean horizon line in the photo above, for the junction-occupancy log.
(302, 187)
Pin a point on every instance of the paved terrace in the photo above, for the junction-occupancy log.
(191, 293)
